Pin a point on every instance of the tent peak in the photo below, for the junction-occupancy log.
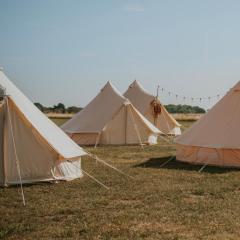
(135, 83)
(109, 86)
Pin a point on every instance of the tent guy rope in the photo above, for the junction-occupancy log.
(107, 164)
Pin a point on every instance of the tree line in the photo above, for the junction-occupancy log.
(58, 108)
(171, 108)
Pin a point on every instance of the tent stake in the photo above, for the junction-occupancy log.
(165, 163)
(202, 168)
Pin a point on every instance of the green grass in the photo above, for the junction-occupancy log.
(59, 121)
(172, 202)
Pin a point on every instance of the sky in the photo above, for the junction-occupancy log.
(66, 50)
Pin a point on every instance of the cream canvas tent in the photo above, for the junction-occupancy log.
(215, 138)
(151, 107)
(32, 147)
(110, 119)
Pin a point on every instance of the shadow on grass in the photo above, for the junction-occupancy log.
(33, 184)
(177, 165)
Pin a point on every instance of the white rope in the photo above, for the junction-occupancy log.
(107, 164)
(136, 128)
(166, 140)
(15, 152)
(89, 175)
(103, 185)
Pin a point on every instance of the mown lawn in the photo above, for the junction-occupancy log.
(172, 202)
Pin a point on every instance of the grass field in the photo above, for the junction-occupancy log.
(172, 202)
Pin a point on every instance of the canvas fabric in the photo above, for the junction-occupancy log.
(110, 119)
(142, 100)
(215, 137)
(28, 139)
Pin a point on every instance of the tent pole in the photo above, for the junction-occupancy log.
(136, 129)
(126, 117)
(4, 150)
(15, 152)
(97, 140)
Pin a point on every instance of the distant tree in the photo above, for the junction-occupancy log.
(184, 109)
(198, 109)
(59, 108)
(73, 109)
(40, 106)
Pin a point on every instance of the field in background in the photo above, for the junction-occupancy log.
(60, 121)
(170, 202)
(184, 119)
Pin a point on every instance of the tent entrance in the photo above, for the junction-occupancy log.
(125, 128)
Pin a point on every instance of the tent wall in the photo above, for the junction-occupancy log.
(36, 158)
(125, 128)
(84, 138)
(176, 131)
(2, 172)
(115, 131)
(142, 101)
(68, 170)
(209, 156)
(38, 161)
(164, 121)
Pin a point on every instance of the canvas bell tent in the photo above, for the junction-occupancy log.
(151, 107)
(32, 147)
(215, 138)
(110, 119)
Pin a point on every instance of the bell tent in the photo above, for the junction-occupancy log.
(151, 107)
(214, 139)
(110, 119)
(32, 147)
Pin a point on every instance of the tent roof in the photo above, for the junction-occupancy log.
(94, 117)
(97, 113)
(219, 128)
(56, 138)
(141, 99)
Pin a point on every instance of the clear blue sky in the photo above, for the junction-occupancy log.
(65, 50)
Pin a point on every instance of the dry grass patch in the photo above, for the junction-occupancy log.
(173, 202)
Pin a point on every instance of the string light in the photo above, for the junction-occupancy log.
(192, 99)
